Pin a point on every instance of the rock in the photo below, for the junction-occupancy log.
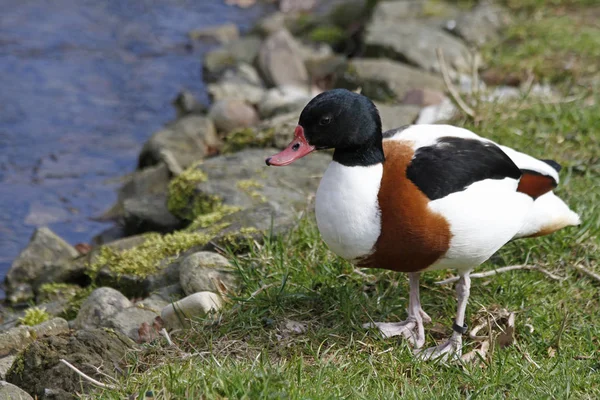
(45, 247)
(384, 80)
(20, 293)
(101, 304)
(282, 127)
(185, 103)
(38, 369)
(322, 70)
(287, 6)
(5, 363)
(73, 271)
(270, 24)
(272, 132)
(18, 338)
(240, 83)
(395, 116)
(129, 320)
(178, 314)
(423, 97)
(398, 10)
(280, 60)
(239, 180)
(243, 50)
(166, 294)
(439, 113)
(108, 235)
(150, 181)
(140, 285)
(149, 214)
(9, 391)
(206, 271)
(221, 33)
(416, 43)
(284, 99)
(229, 114)
(245, 227)
(480, 25)
(187, 140)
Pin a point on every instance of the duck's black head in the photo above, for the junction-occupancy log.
(337, 119)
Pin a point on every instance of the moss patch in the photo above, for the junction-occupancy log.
(75, 303)
(182, 189)
(248, 137)
(327, 34)
(34, 316)
(211, 219)
(249, 187)
(54, 291)
(146, 258)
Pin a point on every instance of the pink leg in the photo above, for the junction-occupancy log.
(412, 328)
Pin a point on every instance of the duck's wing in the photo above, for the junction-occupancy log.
(449, 159)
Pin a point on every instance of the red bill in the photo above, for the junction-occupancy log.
(298, 148)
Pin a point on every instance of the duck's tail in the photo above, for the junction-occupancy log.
(548, 214)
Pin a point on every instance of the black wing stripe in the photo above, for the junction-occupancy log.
(452, 164)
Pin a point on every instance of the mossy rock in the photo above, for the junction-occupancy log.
(38, 368)
(138, 270)
(329, 34)
(247, 138)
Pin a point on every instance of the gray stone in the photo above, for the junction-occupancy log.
(39, 371)
(282, 126)
(19, 293)
(280, 60)
(384, 80)
(395, 116)
(8, 391)
(179, 314)
(230, 114)
(480, 25)
(243, 50)
(45, 247)
(206, 271)
(19, 337)
(423, 97)
(240, 83)
(5, 363)
(186, 103)
(149, 214)
(129, 320)
(270, 24)
(101, 304)
(186, 140)
(284, 99)
(220, 33)
(438, 113)
(416, 43)
(241, 179)
(150, 181)
(398, 10)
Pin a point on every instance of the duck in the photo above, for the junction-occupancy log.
(420, 198)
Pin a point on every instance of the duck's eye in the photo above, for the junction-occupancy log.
(296, 147)
(325, 120)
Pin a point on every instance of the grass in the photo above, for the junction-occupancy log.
(558, 42)
(251, 350)
(247, 351)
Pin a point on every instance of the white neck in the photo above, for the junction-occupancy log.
(347, 209)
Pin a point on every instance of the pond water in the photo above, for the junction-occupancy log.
(82, 85)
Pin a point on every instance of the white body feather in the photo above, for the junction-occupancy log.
(347, 210)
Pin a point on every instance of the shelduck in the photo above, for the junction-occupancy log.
(420, 198)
